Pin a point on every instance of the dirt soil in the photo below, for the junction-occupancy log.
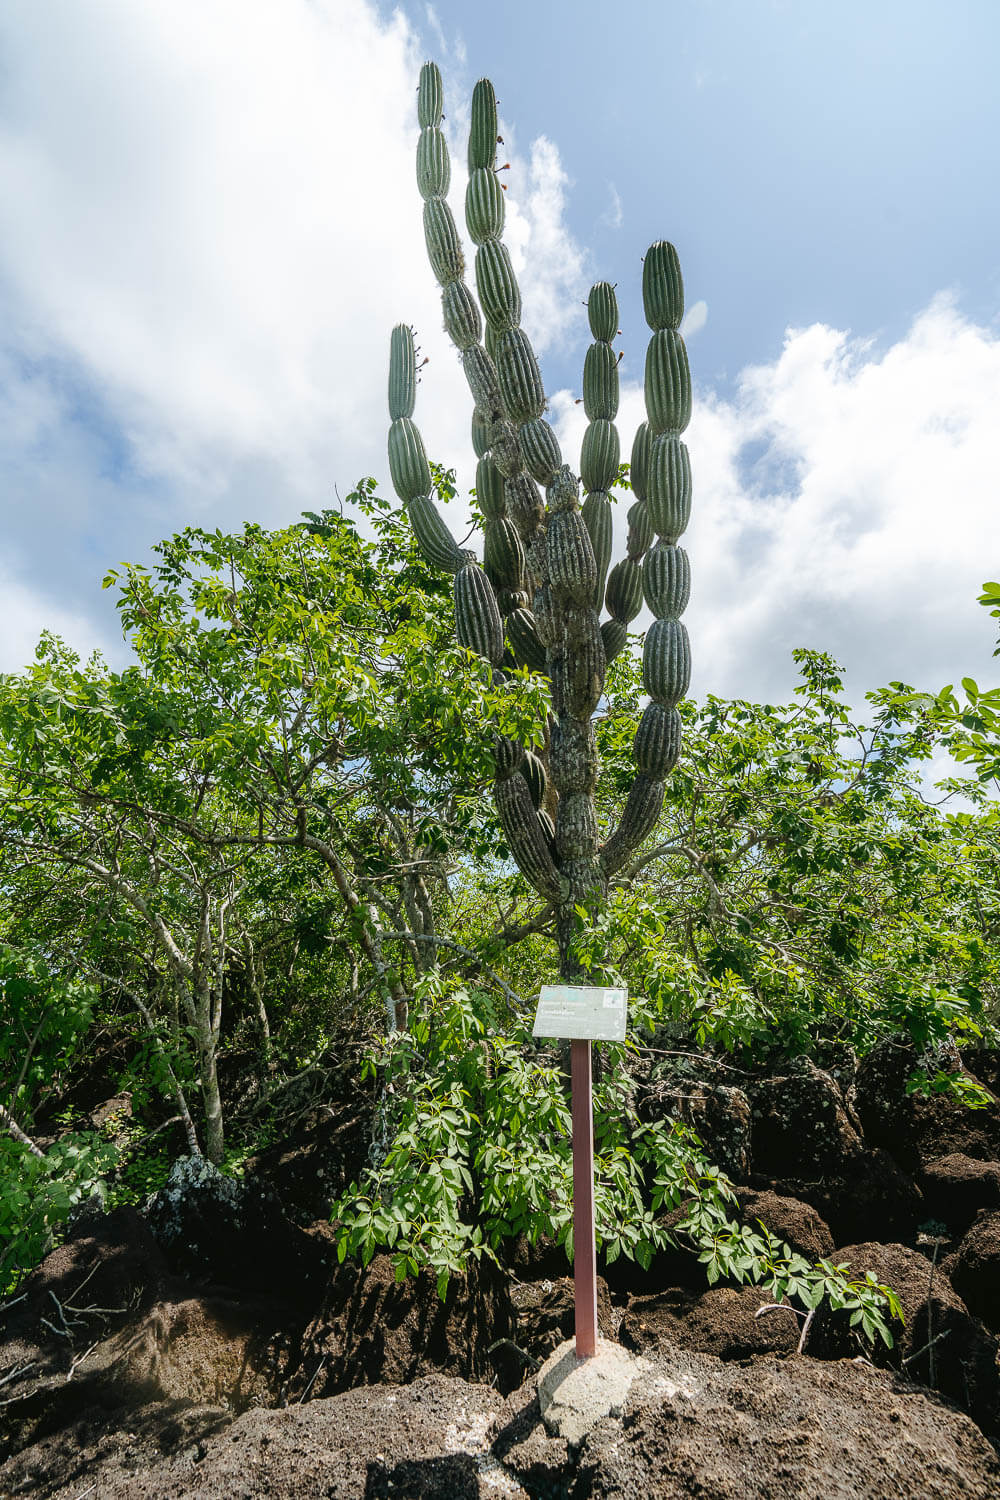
(213, 1346)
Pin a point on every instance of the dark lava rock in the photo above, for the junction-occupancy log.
(956, 1187)
(700, 1091)
(308, 1169)
(545, 1260)
(801, 1125)
(796, 1224)
(721, 1116)
(372, 1328)
(916, 1128)
(781, 1430)
(722, 1321)
(429, 1442)
(676, 1265)
(546, 1317)
(867, 1194)
(108, 1262)
(974, 1269)
(963, 1359)
(234, 1234)
(984, 1063)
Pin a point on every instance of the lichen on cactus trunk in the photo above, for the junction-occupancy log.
(535, 602)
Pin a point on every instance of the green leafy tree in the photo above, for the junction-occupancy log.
(294, 708)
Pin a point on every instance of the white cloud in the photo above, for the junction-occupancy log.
(844, 500)
(538, 239)
(614, 215)
(694, 319)
(209, 224)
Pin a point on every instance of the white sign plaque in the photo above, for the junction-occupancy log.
(581, 1012)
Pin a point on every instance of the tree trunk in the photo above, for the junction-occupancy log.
(215, 1143)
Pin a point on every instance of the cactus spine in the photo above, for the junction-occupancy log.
(535, 602)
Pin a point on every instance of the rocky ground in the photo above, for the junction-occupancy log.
(212, 1345)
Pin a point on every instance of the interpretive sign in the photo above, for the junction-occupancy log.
(581, 1013)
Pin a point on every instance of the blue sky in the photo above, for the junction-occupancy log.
(209, 223)
(813, 162)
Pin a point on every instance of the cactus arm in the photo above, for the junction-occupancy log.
(411, 475)
(526, 835)
(661, 475)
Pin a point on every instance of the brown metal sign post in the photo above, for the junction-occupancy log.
(581, 1014)
(584, 1232)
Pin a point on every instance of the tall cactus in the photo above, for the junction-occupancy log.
(537, 596)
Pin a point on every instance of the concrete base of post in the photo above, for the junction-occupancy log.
(575, 1393)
